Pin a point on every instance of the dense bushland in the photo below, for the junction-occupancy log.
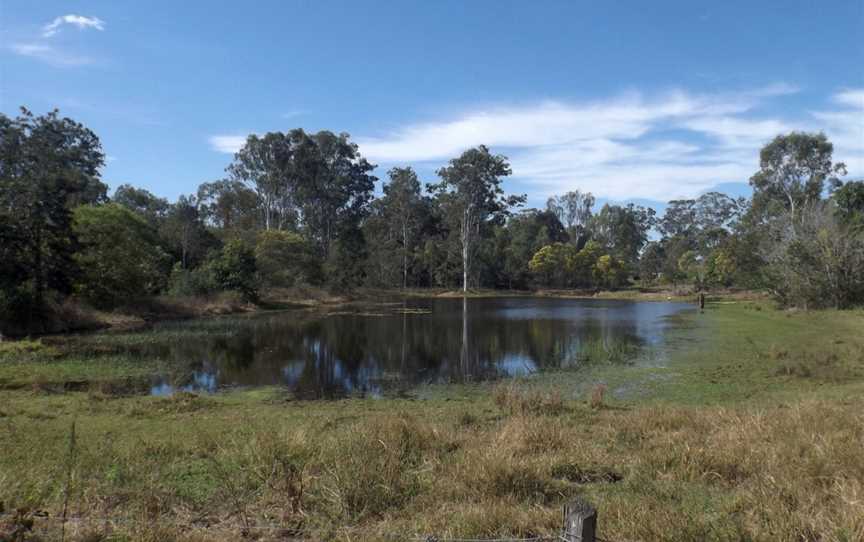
(300, 209)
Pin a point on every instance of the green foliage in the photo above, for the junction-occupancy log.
(234, 268)
(793, 170)
(850, 202)
(48, 165)
(286, 259)
(472, 198)
(815, 260)
(609, 272)
(120, 257)
(191, 282)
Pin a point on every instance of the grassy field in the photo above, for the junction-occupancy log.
(753, 429)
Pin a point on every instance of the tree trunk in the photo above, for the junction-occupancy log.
(404, 255)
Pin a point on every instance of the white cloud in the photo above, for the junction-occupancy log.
(678, 144)
(851, 98)
(845, 129)
(228, 144)
(79, 21)
(659, 148)
(50, 54)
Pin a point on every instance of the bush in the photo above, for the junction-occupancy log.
(120, 256)
(235, 268)
(285, 259)
(815, 259)
(194, 282)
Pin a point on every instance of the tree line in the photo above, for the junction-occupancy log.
(300, 208)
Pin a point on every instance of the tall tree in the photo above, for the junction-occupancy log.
(184, 233)
(48, 164)
(267, 165)
(142, 201)
(623, 230)
(403, 204)
(228, 204)
(335, 187)
(574, 209)
(471, 186)
(793, 170)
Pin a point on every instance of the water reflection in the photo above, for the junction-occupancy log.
(417, 341)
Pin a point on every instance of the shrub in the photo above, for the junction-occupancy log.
(120, 255)
(235, 268)
(286, 259)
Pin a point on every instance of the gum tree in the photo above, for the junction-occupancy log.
(471, 189)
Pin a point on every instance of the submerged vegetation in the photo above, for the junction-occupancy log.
(751, 429)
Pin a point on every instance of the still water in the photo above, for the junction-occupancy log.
(392, 347)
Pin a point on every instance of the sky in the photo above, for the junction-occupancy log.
(633, 101)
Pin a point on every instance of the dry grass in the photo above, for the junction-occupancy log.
(656, 473)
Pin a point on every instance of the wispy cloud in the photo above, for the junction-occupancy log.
(79, 21)
(633, 146)
(44, 48)
(845, 128)
(228, 144)
(50, 54)
(677, 144)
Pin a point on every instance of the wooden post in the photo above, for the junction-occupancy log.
(580, 521)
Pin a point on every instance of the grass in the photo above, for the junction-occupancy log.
(751, 429)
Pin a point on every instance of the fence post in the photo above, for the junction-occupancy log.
(580, 521)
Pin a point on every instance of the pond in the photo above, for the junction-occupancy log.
(392, 347)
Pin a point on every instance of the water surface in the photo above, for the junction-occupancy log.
(392, 347)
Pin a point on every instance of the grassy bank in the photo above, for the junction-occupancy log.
(751, 429)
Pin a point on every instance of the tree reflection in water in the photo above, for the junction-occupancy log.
(414, 342)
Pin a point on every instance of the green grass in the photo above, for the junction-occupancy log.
(750, 428)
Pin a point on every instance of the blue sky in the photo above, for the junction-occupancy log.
(633, 101)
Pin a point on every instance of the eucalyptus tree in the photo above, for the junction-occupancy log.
(142, 201)
(574, 209)
(334, 187)
(470, 189)
(623, 230)
(403, 207)
(264, 164)
(228, 204)
(793, 170)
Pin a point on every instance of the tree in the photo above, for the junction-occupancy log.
(120, 257)
(623, 231)
(850, 201)
(184, 233)
(679, 219)
(817, 263)
(651, 262)
(793, 169)
(228, 204)
(471, 188)
(235, 268)
(692, 266)
(141, 201)
(403, 210)
(335, 188)
(285, 259)
(574, 210)
(553, 264)
(48, 165)
(609, 271)
(527, 232)
(269, 165)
